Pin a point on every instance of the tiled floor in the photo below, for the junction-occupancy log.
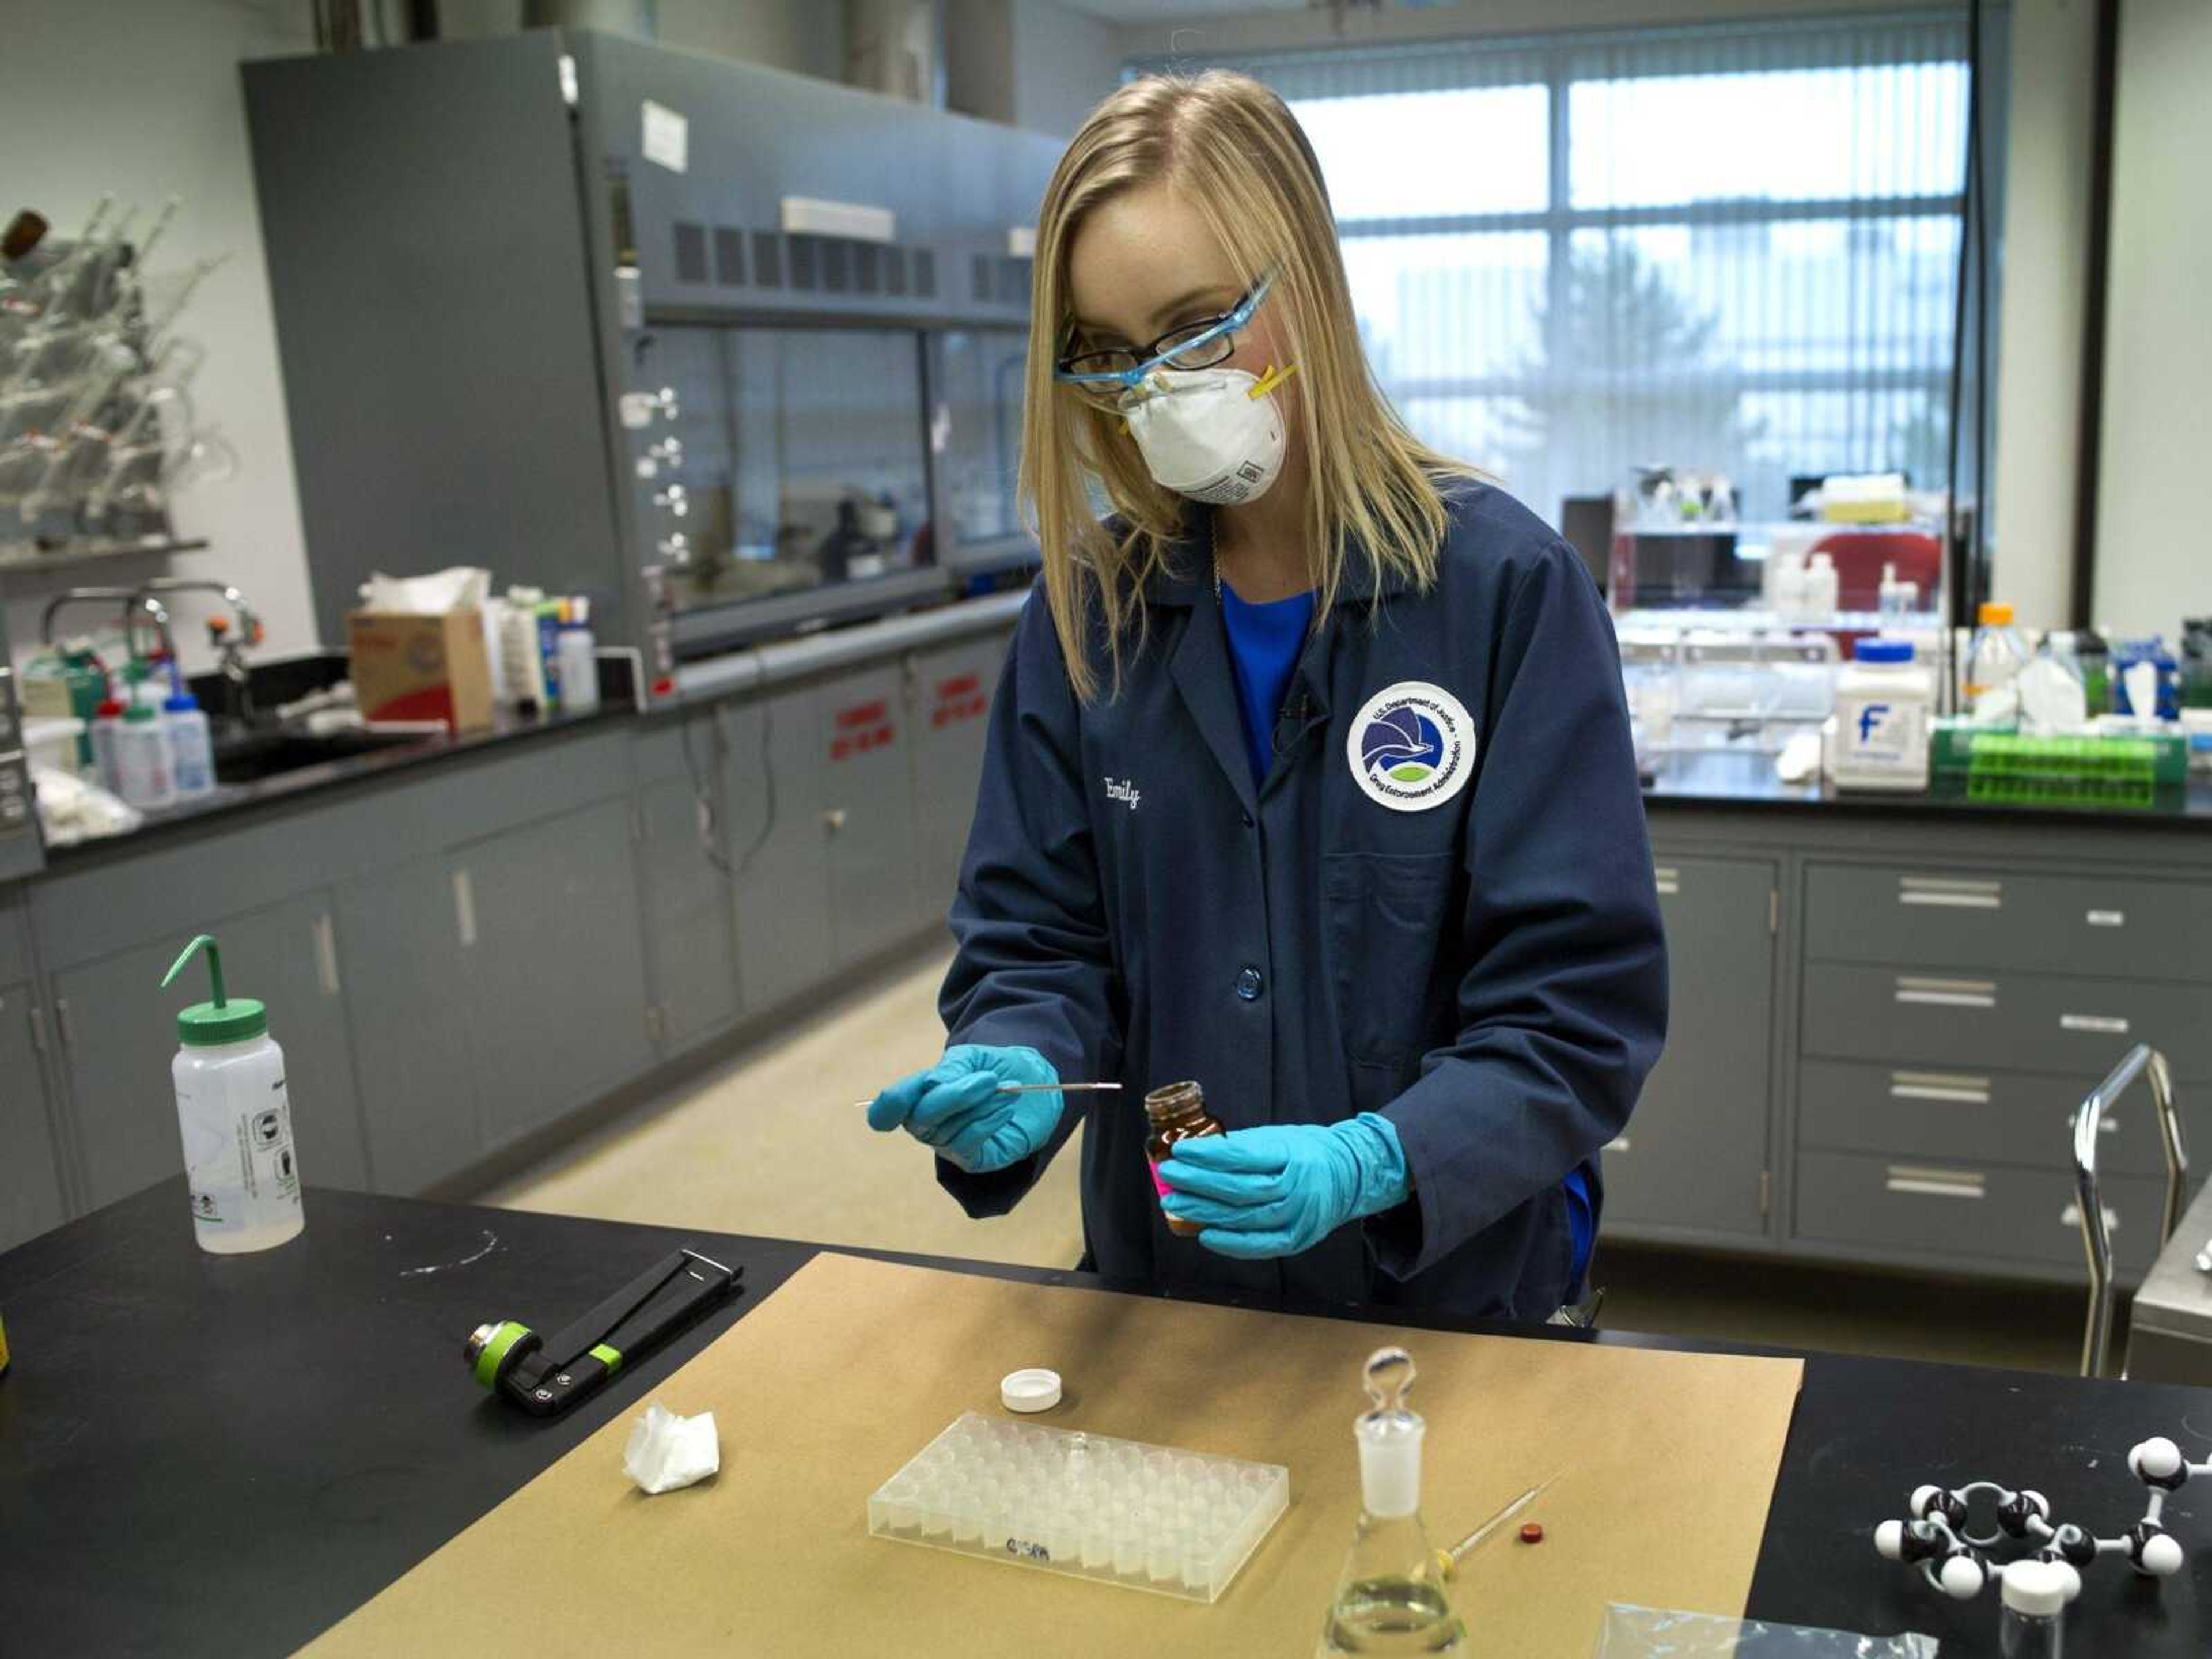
(771, 1142)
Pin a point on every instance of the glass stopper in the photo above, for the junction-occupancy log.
(1390, 1374)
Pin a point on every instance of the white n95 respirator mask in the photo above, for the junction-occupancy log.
(1215, 434)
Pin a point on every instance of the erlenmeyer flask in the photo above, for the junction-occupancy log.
(1389, 1598)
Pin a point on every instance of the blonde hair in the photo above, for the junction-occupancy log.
(1229, 146)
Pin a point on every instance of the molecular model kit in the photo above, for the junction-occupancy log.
(1957, 1562)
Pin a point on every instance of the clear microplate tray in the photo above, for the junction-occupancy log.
(1120, 1511)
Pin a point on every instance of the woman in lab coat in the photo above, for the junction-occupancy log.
(1309, 778)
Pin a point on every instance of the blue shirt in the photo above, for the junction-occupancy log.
(1264, 642)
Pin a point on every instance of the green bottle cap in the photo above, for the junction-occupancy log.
(225, 1019)
(139, 711)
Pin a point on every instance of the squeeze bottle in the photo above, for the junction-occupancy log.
(191, 755)
(239, 1167)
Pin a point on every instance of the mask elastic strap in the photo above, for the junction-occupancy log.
(1274, 378)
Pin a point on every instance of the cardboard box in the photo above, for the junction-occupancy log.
(420, 667)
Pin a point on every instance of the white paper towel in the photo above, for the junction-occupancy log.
(426, 596)
(667, 1451)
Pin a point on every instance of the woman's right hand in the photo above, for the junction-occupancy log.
(958, 1107)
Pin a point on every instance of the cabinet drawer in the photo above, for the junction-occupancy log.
(2014, 1117)
(1942, 918)
(1960, 1209)
(2026, 1022)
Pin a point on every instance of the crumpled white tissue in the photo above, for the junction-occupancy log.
(667, 1451)
(431, 595)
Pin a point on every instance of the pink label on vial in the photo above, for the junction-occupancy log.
(1159, 1186)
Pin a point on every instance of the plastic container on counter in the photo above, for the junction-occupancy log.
(145, 770)
(241, 1173)
(578, 669)
(1885, 703)
(191, 752)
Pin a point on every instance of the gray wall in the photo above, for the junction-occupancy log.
(2046, 229)
(2153, 563)
(1064, 61)
(1034, 63)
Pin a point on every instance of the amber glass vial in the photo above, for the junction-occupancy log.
(1176, 1113)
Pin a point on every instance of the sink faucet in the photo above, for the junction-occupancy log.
(230, 646)
(134, 613)
(69, 596)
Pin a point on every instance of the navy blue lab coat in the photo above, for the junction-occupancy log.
(1488, 974)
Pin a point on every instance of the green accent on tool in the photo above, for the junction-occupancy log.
(608, 1357)
(224, 1019)
(504, 1338)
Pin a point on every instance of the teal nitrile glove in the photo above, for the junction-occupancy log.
(1278, 1190)
(956, 1107)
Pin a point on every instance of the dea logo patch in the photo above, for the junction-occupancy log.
(1412, 747)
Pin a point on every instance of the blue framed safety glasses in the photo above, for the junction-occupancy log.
(1109, 373)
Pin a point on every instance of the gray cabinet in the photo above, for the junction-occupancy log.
(287, 954)
(1940, 917)
(552, 966)
(1695, 1156)
(951, 721)
(683, 873)
(118, 1036)
(31, 1192)
(400, 953)
(1988, 1017)
(779, 851)
(1973, 1116)
(1962, 1215)
(867, 810)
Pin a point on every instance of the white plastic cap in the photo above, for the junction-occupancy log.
(1889, 1540)
(1032, 1390)
(1390, 1465)
(2037, 1589)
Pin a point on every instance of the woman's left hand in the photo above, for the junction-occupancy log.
(1281, 1190)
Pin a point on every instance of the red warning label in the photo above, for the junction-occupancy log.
(861, 728)
(958, 700)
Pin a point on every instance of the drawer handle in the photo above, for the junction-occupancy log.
(1618, 1144)
(1948, 992)
(2070, 1217)
(1669, 878)
(2108, 918)
(1950, 894)
(1936, 1183)
(326, 956)
(464, 907)
(2103, 1024)
(1939, 1085)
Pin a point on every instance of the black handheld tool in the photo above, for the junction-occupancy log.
(547, 1375)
